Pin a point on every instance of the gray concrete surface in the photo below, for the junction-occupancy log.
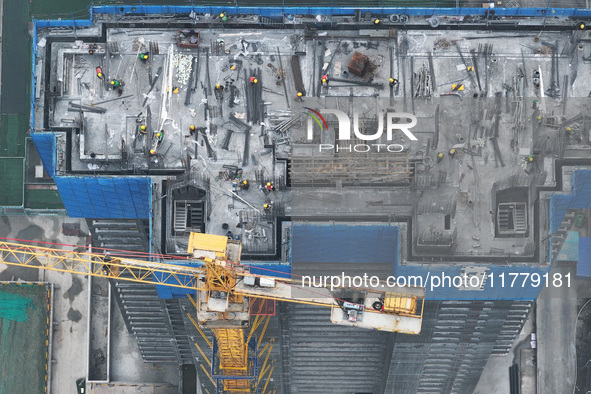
(556, 312)
(71, 315)
(495, 377)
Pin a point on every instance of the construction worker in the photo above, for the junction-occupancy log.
(244, 185)
(160, 135)
(530, 159)
(152, 152)
(219, 88)
(324, 80)
(299, 96)
(439, 157)
(253, 80)
(268, 207)
(269, 186)
(393, 82)
(116, 83)
(192, 130)
(143, 129)
(99, 72)
(452, 153)
(223, 16)
(144, 56)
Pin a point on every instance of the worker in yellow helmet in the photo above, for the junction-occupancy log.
(244, 185)
(160, 135)
(192, 129)
(299, 96)
(393, 82)
(253, 80)
(152, 152)
(269, 186)
(439, 157)
(143, 129)
(452, 152)
(267, 207)
(223, 16)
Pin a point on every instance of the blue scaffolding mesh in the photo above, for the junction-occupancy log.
(106, 198)
(45, 144)
(580, 198)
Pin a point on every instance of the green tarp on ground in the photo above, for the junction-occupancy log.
(11, 181)
(14, 307)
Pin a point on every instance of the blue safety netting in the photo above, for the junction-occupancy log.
(166, 292)
(584, 264)
(278, 11)
(106, 197)
(46, 146)
(579, 198)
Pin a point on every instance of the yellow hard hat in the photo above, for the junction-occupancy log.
(300, 94)
(112, 82)
(158, 135)
(222, 15)
(268, 183)
(192, 127)
(233, 67)
(152, 151)
(391, 79)
(255, 80)
(440, 155)
(100, 74)
(218, 86)
(452, 151)
(323, 79)
(143, 127)
(265, 206)
(376, 21)
(245, 182)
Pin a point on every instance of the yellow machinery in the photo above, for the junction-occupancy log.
(224, 291)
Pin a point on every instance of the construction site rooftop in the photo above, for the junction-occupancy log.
(223, 117)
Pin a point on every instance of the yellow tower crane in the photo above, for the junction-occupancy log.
(224, 289)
